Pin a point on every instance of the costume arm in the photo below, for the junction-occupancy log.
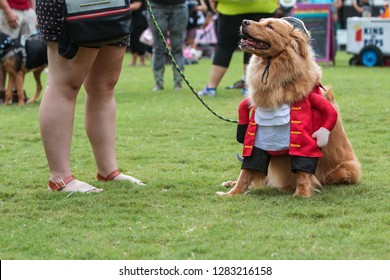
(329, 118)
(326, 109)
(322, 136)
(243, 120)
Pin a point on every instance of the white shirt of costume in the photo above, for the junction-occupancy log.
(273, 128)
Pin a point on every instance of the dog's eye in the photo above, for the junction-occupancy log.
(269, 26)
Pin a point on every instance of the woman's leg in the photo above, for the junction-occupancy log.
(142, 59)
(137, 48)
(57, 109)
(228, 38)
(133, 59)
(100, 109)
(216, 75)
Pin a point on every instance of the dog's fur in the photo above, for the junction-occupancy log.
(292, 75)
(16, 69)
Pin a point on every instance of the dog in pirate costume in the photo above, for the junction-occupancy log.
(291, 130)
(19, 59)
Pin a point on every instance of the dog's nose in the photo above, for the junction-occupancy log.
(246, 22)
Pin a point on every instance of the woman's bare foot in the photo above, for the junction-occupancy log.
(117, 175)
(123, 177)
(76, 186)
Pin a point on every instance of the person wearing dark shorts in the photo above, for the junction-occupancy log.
(139, 24)
(98, 70)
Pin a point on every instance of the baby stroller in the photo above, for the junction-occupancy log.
(206, 39)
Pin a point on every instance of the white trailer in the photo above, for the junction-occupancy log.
(368, 39)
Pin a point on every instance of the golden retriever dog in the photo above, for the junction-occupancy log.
(312, 148)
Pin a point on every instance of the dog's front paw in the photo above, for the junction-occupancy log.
(303, 192)
(31, 101)
(223, 194)
(230, 193)
(228, 184)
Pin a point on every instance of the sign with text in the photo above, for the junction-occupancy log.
(362, 32)
(317, 19)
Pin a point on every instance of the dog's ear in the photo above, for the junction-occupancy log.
(300, 42)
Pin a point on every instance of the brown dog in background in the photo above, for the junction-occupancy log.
(283, 70)
(18, 60)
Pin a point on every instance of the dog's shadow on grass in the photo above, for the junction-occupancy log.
(330, 190)
(264, 192)
(268, 192)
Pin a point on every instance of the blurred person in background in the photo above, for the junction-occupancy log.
(17, 19)
(363, 7)
(231, 13)
(172, 18)
(335, 6)
(140, 23)
(197, 10)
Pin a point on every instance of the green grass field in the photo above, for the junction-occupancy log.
(183, 153)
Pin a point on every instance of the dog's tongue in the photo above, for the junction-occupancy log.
(251, 42)
(256, 44)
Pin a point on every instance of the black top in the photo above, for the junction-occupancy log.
(139, 16)
(361, 3)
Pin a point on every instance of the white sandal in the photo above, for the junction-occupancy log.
(115, 173)
(60, 185)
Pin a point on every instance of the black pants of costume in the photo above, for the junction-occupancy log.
(259, 160)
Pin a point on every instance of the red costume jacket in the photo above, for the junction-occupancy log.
(306, 117)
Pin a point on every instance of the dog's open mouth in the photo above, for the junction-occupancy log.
(248, 42)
